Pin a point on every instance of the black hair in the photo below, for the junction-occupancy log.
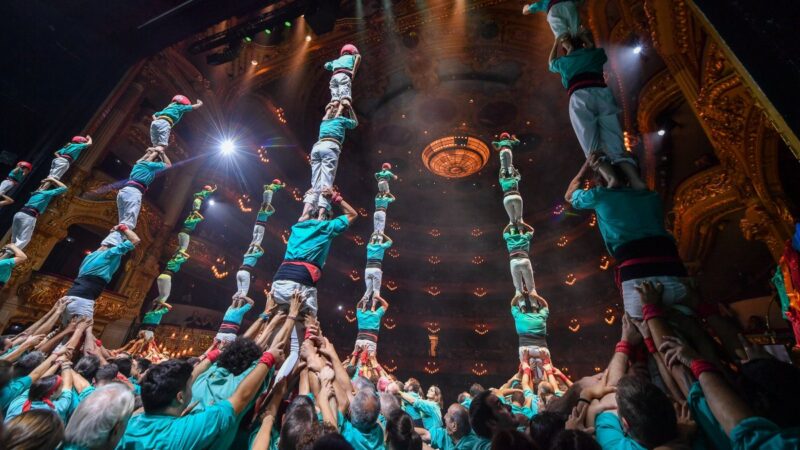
(544, 426)
(511, 440)
(163, 382)
(400, 434)
(143, 364)
(415, 385)
(463, 397)
(332, 441)
(299, 417)
(351, 370)
(480, 414)
(27, 363)
(41, 387)
(766, 385)
(574, 440)
(649, 413)
(124, 364)
(238, 355)
(106, 373)
(87, 366)
(518, 397)
(5, 373)
(475, 389)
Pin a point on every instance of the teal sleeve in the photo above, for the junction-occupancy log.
(64, 403)
(185, 108)
(705, 419)
(195, 430)
(427, 408)
(515, 311)
(539, 6)
(12, 390)
(380, 312)
(760, 433)
(386, 244)
(328, 65)
(582, 199)
(545, 312)
(350, 123)
(340, 224)
(121, 249)
(56, 191)
(440, 439)
(608, 431)
(555, 65)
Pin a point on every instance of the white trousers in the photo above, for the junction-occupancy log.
(242, 282)
(674, 293)
(129, 204)
(564, 19)
(164, 283)
(383, 186)
(537, 358)
(379, 221)
(593, 113)
(183, 241)
(282, 293)
(522, 274)
(159, 132)
(267, 197)
(22, 229)
(6, 186)
(513, 205)
(369, 346)
(258, 234)
(372, 278)
(77, 306)
(506, 160)
(58, 167)
(324, 161)
(341, 87)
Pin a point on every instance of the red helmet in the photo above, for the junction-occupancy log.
(79, 140)
(386, 166)
(348, 49)
(25, 164)
(208, 188)
(276, 181)
(504, 135)
(182, 99)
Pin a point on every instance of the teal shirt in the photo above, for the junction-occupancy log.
(175, 263)
(40, 199)
(154, 317)
(105, 263)
(194, 431)
(62, 404)
(16, 174)
(190, 223)
(250, 259)
(518, 241)
(263, 215)
(6, 267)
(508, 143)
(702, 415)
(376, 251)
(343, 62)
(370, 320)
(72, 150)
(274, 187)
(510, 183)
(12, 390)
(236, 314)
(384, 175)
(311, 240)
(410, 410)
(430, 413)
(144, 172)
(540, 6)
(441, 440)
(760, 433)
(611, 436)
(336, 128)
(371, 439)
(623, 215)
(583, 60)
(174, 111)
(530, 322)
(383, 202)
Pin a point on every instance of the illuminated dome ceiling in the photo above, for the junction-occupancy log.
(455, 156)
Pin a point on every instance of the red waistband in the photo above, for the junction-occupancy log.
(584, 84)
(642, 260)
(347, 72)
(137, 185)
(67, 157)
(313, 270)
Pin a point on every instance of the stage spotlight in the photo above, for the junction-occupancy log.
(211, 202)
(253, 62)
(637, 49)
(339, 307)
(662, 132)
(227, 147)
(308, 38)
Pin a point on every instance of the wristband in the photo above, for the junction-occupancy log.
(291, 318)
(699, 366)
(651, 312)
(308, 335)
(548, 372)
(98, 342)
(213, 355)
(650, 344)
(122, 227)
(336, 199)
(623, 347)
(267, 359)
(264, 317)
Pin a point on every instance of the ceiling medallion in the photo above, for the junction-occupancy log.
(455, 156)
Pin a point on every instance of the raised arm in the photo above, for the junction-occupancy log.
(89, 141)
(56, 182)
(383, 303)
(554, 51)
(129, 234)
(165, 158)
(575, 184)
(250, 386)
(198, 104)
(348, 210)
(29, 343)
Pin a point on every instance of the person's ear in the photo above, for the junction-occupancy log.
(179, 397)
(625, 425)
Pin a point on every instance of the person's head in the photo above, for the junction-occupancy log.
(464, 396)
(238, 355)
(297, 422)
(766, 385)
(475, 389)
(518, 398)
(106, 374)
(124, 364)
(5, 373)
(351, 370)
(400, 434)
(361, 383)
(332, 441)
(181, 99)
(364, 409)
(348, 49)
(27, 363)
(376, 238)
(389, 403)
(574, 440)
(413, 385)
(544, 426)
(504, 136)
(646, 412)
(140, 366)
(5, 342)
(100, 420)
(87, 366)
(488, 415)
(545, 389)
(434, 394)
(25, 167)
(45, 388)
(511, 440)
(167, 385)
(456, 421)
(34, 429)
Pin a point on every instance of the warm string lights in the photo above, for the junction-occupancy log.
(262, 154)
(358, 240)
(393, 252)
(219, 273)
(476, 232)
(481, 329)
(432, 327)
(431, 367)
(394, 225)
(479, 369)
(604, 262)
(558, 210)
(478, 260)
(480, 292)
(350, 316)
(570, 280)
(285, 236)
(280, 114)
(297, 195)
(362, 212)
(562, 241)
(574, 325)
(354, 275)
(433, 290)
(609, 317)
(433, 259)
(593, 220)
(244, 201)
(389, 323)
(434, 232)
(390, 366)
(391, 285)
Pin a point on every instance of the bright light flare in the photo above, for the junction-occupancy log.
(227, 147)
(637, 49)
(661, 132)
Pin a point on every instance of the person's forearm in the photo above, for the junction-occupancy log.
(201, 367)
(66, 379)
(658, 329)
(46, 326)
(42, 368)
(553, 52)
(263, 337)
(18, 352)
(340, 374)
(617, 368)
(282, 337)
(666, 375)
(249, 387)
(348, 211)
(47, 346)
(31, 330)
(253, 329)
(262, 440)
(727, 407)
(79, 382)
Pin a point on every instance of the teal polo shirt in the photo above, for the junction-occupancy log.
(174, 111)
(263, 215)
(370, 320)
(376, 251)
(40, 199)
(175, 263)
(760, 433)
(62, 404)
(335, 128)
(430, 413)
(530, 322)
(250, 259)
(154, 317)
(442, 441)
(236, 314)
(343, 62)
(104, 263)
(708, 424)
(144, 172)
(371, 439)
(510, 183)
(610, 435)
(510, 143)
(311, 240)
(197, 430)
(12, 390)
(190, 223)
(6, 268)
(16, 175)
(540, 6)
(383, 202)
(72, 150)
(583, 60)
(384, 175)
(518, 241)
(623, 215)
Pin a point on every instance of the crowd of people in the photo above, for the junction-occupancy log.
(680, 376)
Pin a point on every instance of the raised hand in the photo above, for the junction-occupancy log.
(629, 331)
(295, 303)
(650, 293)
(677, 352)
(577, 420)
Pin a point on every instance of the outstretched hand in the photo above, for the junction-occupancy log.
(629, 331)
(677, 352)
(650, 293)
(577, 420)
(295, 303)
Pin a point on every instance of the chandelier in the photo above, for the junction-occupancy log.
(455, 156)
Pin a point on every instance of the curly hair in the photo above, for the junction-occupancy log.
(87, 366)
(163, 382)
(239, 355)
